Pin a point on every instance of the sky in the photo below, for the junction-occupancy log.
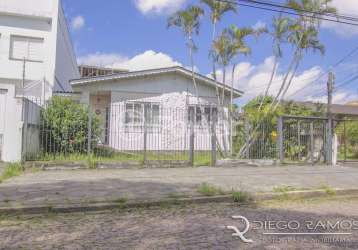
(133, 34)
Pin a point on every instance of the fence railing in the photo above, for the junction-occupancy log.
(124, 133)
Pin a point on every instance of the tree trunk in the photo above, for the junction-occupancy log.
(274, 70)
(232, 109)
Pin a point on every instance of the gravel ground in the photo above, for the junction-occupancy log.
(181, 227)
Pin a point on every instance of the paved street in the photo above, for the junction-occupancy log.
(80, 186)
(184, 227)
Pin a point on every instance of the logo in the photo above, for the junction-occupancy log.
(237, 232)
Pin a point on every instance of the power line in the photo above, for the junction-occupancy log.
(320, 17)
(281, 6)
(351, 53)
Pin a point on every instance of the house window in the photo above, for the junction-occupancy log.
(135, 113)
(202, 114)
(28, 48)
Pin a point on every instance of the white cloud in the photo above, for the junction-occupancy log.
(78, 22)
(158, 6)
(259, 25)
(307, 85)
(344, 7)
(101, 59)
(147, 60)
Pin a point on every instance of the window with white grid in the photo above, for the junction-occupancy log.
(28, 48)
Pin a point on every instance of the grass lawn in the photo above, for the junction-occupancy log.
(200, 158)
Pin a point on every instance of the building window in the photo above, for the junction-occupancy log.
(28, 48)
(135, 113)
(202, 114)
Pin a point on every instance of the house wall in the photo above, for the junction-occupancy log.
(11, 124)
(66, 67)
(173, 92)
(42, 19)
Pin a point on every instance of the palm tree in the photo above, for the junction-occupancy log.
(279, 35)
(218, 9)
(188, 21)
(306, 40)
(223, 51)
(310, 9)
(238, 37)
(303, 29)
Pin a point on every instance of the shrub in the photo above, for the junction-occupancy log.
(241, 197)
(65, 127)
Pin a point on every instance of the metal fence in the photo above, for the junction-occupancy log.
(126, 132)
(346, 131)
(255, 139)
(303, 139)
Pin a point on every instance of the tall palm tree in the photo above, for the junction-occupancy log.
(279, 34)
(238, 37)
(304, 25)
(218, 9)
(306, 40)
(223, 51)
(188, 21)
(310, 9)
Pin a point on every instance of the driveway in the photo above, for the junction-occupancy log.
(78, 186)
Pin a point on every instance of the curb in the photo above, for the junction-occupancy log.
(95, 207)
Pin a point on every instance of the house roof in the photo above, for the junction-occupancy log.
(350, 109)
(152, 72)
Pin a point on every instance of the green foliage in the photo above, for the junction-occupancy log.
(12, 170)
(263, 126)
(65, 127)
(241, 197)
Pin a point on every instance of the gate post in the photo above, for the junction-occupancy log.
(330, 141)
(192, 138)
(145, 132)
(312, 142)
(213, 139)
(248, 138)
(89, 132)
(281, 153)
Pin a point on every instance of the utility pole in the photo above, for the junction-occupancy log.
(330, 88)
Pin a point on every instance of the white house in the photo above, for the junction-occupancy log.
(160, 101)
(36, 59)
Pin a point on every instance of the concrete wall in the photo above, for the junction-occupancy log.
(12, 125)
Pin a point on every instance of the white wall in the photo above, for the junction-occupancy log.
(173, 92)
(38, 8)
(66, 64)
(42, 19)
(12, 126)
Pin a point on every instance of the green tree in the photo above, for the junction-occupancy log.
(188, 21)
(279, 34)
(304, 33)
(65, 127)
(217, 10)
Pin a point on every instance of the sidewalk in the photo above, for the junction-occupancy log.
(89, 186)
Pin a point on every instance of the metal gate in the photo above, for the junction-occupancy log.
(346, 139)
(303, 139)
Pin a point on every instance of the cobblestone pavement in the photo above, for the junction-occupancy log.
(81, 186)
(185, 227)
